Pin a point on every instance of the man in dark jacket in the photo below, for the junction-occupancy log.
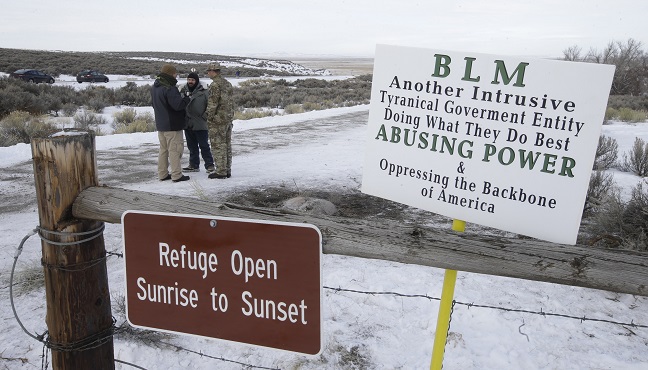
(196, 132)
(169, 108)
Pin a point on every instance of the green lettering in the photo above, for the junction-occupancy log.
(468, 71)
(500, 70)
(549, 161)
(395, 138)
(442, 62)
(382, 133)
(567, 165)
(529, 159)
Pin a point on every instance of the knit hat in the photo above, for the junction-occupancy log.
(168, 69)
(194, 75)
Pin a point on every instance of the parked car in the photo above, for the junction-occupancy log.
(91, 76)
(32, 75)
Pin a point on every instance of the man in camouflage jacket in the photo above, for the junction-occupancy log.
(220, 113)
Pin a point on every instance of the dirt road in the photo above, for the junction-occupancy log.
(128, 166)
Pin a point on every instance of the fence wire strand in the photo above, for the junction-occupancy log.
(470, 305)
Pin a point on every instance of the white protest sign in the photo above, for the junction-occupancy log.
(506, 142)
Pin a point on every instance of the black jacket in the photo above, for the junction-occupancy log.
(168, 104)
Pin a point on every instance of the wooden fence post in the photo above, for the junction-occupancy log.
(79, 318)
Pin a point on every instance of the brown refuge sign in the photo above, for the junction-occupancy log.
(246, 281)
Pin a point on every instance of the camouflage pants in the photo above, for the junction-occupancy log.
(220, 137)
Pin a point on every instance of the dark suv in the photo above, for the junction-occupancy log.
(32, 75)
(91, 76)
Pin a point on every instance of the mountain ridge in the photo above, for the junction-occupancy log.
(147, 63)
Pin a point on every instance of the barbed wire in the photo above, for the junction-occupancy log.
(542, 313)
(201, 354)
(470, 305)
(94, 233)
(129, 364)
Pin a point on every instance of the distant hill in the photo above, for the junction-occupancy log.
(144, 63)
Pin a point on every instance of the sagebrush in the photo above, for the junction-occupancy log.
(607, 153)
(619, 224)
(303, 94)
(21, 127)
(636, 159)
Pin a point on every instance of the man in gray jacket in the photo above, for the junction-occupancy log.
(196, 133)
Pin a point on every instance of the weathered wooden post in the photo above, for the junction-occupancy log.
(79, 318)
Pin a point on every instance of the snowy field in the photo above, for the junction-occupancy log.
(361, 330)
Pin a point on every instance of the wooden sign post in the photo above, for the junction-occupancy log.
(79, 319)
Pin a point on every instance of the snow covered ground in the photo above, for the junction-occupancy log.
(361, 330)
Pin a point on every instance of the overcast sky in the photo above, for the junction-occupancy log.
(541, 28)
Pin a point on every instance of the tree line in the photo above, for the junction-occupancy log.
(631, 61)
